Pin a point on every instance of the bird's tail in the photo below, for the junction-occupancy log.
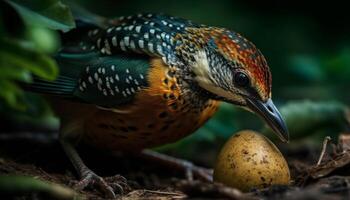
(71, 59)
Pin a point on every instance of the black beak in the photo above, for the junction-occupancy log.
(268, 111)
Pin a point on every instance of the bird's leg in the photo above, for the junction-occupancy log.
(189, 168)
(88, 177)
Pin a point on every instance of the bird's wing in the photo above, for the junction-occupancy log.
(150, 34)
(90, 77)
(107, 63)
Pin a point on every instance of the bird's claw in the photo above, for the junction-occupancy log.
(119, 183)
(109, 186)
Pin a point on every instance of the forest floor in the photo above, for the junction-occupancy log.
(148, 180)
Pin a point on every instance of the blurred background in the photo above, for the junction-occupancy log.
(307, 46)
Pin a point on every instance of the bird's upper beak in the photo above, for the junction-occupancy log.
(268, 111)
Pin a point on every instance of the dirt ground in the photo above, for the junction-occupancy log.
(45, 160)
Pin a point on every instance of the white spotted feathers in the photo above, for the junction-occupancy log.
(111, 80)
(143, 33)
(112, 77)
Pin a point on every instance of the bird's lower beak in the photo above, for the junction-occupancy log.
(268, 111)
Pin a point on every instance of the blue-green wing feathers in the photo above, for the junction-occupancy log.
(105, 62)
(90, 77)
(112, 80)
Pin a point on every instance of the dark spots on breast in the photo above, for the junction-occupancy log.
(121, 120)
(124, 129)
(164, 128)
(172, 96)
(170, 121)
(107, 126)
(166, 81)
(173, 87)
(163, 114)
(173, 106)
(143, 137)
(120, 136)
(262, 178)
(133, 128)
(146, 133)
(151, 126)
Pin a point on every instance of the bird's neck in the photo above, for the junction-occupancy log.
(192, 92)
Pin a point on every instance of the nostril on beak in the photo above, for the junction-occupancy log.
(270, 108)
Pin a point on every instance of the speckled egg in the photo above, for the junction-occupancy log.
(249, 160)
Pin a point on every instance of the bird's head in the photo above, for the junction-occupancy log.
(233, 70)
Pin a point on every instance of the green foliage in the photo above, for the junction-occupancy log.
(26, 43)
(14, 185)
(22, 55)
(52, 14)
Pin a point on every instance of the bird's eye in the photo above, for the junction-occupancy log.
(241, 79)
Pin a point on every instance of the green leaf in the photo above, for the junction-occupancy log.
(13, 72)
(11, 94)
(44, 39)
(22, 54)
(19, 185)
(46, 13)
(18, 61)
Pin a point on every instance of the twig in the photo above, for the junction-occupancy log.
(153, 194)
(204, 189)
(324, 148)
(179, 164)
(164, 192)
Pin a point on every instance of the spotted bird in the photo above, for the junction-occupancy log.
(150, 79)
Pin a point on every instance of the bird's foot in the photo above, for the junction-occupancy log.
(109, 186)
(190, 169)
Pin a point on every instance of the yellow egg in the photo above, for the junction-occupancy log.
(249, 160)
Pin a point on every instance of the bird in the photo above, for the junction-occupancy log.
(145, 80)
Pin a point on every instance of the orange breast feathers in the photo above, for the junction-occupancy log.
(158, 115)
(167, 87)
